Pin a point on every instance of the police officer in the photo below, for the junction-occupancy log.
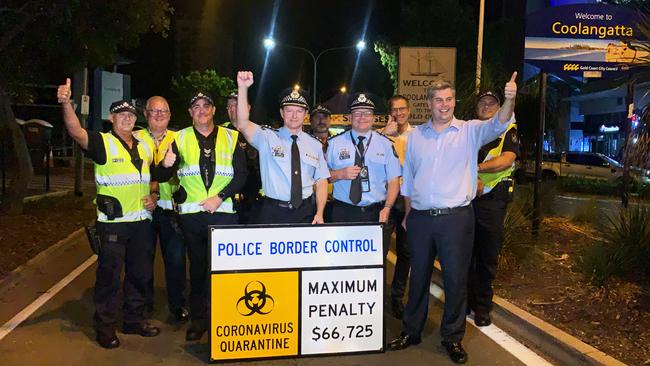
(496, 162)
(124, 205)
(398, 129)
(291, 161)
(319, 119)
(211, 167)
(365, 170)
(439, 184)
(165, 223)
(249, 196)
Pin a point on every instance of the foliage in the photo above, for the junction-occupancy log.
(625, 249)
(209, 82)
(388, 57)
(517, 245)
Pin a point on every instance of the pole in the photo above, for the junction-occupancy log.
(537, 209)
(627, 131)
(314, 92)
(479, 46)
(78, 156)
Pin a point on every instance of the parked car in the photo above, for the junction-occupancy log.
(582, 165)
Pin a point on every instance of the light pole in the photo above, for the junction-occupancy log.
(270, 43)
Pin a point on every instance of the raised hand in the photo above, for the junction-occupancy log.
(244, 79)
(64, 92)
(510, 91)
(391, 127)
(170, 158)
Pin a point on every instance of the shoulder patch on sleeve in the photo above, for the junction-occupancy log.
(340, 133)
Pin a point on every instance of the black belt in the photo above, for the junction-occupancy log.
(443, 211)
(370, 207)
(286, 204)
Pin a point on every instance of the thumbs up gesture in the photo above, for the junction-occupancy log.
(170, 158)
(64, 92)
(510, 91)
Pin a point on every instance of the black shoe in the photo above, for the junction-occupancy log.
(143, 329)
(180, 314)
(403, 341)
(397, 306)
(107, 340)
(482, 320)
(455, 351)
(195, 331)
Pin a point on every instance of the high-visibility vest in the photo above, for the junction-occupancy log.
(492, 179)
(168, 188)
(120, 179)
(189, 171)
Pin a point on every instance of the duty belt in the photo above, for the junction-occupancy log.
(286, 204)
(443, 211)
(370, 207)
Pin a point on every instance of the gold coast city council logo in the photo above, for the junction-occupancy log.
(255, 300)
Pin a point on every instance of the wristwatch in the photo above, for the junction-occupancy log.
(221, 195)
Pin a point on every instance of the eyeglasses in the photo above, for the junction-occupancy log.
(399, 110)
(361, 114)
(158, 111)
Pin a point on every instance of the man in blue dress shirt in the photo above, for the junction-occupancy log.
(292, 163)
(439, 183)
(365, 170)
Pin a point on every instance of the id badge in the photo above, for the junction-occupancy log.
(365, 179)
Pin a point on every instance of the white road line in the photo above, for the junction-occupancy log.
(500, 337)
(45, 297)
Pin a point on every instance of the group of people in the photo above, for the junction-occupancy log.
(441, 186)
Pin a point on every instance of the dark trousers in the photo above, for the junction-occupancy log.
(489, 212)
(402, 264)
(172, 246)
(450, 238)
(344, 212)
(276, 212)
(127, 243)
(197, 240)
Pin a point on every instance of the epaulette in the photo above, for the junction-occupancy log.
(267, 127)
(314, 137)
(340, 133)
(384, 136)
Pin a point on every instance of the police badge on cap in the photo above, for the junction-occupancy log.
(122, 106)
(489, 93)
(297, 97)
(320, 109)
(361, 100)
(201, 95)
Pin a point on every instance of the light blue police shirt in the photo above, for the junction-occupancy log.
(441, 169)
(274, 148)
(383, 165)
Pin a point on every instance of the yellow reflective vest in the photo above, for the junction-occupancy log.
(168, 188)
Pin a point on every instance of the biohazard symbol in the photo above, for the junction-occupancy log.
(571, 67)
(255, 300)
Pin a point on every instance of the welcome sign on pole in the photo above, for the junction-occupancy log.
(291, 291)
(590, 40)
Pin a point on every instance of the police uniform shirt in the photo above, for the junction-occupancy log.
(97, 151)
(511, 143)
(380, 158)
(274, 148)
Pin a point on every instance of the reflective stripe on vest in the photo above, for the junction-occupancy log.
(490, 180)
(189, 170)
(166, 189)
(120, 179)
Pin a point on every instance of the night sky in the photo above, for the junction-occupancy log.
(232, 33)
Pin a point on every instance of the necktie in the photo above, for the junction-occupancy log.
(296, 176)
(355, 186)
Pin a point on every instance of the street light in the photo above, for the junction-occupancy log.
(343, 89)
(270, 43)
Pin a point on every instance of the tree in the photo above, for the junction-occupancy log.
(209, 82)
(41, 41)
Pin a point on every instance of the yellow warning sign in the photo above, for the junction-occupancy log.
(254, 315)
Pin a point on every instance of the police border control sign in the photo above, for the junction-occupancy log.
(295, 290)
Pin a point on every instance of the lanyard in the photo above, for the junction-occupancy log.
(363, 156)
